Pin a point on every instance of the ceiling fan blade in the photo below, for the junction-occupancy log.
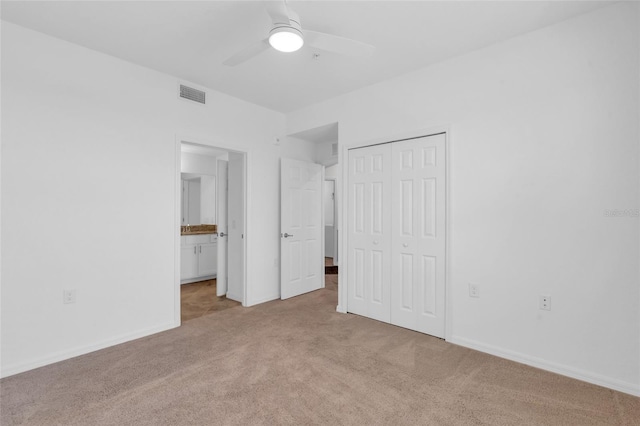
(336, 44)
(248, 53)
(278, 11)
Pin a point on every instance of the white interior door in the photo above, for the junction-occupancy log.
(418, 234)
(221, 213)
(369, 238)
(235, 226)
(301, 227)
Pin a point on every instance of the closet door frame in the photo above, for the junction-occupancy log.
(344, 166)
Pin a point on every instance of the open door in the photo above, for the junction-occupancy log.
(301, 227)
(235, 226)
(221, 207)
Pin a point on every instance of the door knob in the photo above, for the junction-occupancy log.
(221, 234)
(405, 245)
(375, 242)
(287, 235)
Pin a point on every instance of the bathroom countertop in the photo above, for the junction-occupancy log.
(198, 229)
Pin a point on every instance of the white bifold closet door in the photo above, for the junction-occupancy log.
(396, 237)
(369, 238)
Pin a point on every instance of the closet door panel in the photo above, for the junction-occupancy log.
(369, 239)
(418, 237)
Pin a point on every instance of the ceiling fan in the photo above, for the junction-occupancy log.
(286, 35)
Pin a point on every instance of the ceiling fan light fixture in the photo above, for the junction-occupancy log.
(286, 39)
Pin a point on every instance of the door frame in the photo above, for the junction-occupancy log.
(179, 139)
(343, 160)
(222, 243)
(336, 258)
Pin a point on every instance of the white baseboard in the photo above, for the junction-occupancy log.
(564, 370)
(265, 299)
(198, 279)
(235, 297)
(21, 367)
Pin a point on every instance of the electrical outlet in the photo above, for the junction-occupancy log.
(474, 290)
(69, 296)
(545, 302)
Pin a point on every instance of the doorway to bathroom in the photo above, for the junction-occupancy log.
(211, 212)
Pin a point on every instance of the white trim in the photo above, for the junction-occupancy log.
(10, 370)
(245, 239)
(564, 370)
(198, 279)
(336, 259)
(343, 159)
(211, 142)
(233, 296)
(322, 251)
(418, 133)
(274, 296)
(177, 321)
(448, 271)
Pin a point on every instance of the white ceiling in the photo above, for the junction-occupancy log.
(190, 40)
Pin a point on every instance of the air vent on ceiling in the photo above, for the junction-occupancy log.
(334, 149)
(192, 94)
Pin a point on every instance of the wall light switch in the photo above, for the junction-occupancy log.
(69, 296)
(474, 290)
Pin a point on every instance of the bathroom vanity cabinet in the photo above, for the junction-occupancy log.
(198, 257)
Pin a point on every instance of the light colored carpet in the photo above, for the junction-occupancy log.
(299, 362)
(199, 298)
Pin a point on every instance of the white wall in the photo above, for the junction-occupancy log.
(89, 173)
(328, 202)
(207, 167)
(331, 171)
(208, 188)
(544, 138)
(324, 153)
(198, 164)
